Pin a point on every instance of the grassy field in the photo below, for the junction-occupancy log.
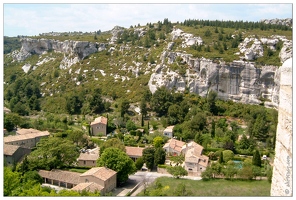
(217, 187)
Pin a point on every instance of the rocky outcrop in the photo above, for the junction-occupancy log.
(285, 22)
(283, 161)
(73, 50)
(239, 81)
(252, 47)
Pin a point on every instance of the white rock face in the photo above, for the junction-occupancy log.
(188, 39)
(239, 81)
(26, 68)
(282, 170)
(73, 49)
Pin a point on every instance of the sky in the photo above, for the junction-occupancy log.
(32, 19)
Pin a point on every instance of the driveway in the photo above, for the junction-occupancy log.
(144, 177)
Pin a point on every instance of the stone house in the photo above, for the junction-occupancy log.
(168, 132)
(14, 154)
(89, 158)
(134, 152)
(195, 162)
(173, 147)
(98, 178)
(99, 126)
(28, 140)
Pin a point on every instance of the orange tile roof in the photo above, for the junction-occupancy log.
(89, 186)
(60, 175)
(134, 151)
(10, 149)
(101, 119)
(193, 156)
(102, 173)
(28, 136)
(174, 144)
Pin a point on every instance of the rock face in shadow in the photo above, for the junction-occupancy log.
(239, 81)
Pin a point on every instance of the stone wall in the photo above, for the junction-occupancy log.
(282, 170)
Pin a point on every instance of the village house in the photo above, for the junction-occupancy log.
(195, 162)
(168, 132)
(14, 154)
(173, 147)
(28, 140)
(99, 126)
(134, 152)
(99, 179)
(88, 158)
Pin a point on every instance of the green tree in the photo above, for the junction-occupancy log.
(227, 155)
(256, 160)
(139, 163)
(119, 161)
(198, 122)
(158, 142)
(177, 171)
(148, 156)
(175, 114)
(230, 170)
(124, 107)
(213, 129)
(53, 152)
(221, 160)
(75, 136)
(211, 100)
(143, 107)
(178, 160)
(244, 142)
(11, 120)
(130, 125)
(161, 101)
(11, 181)
(159, 156)
(114, 143)
(246, 173)
(216, 168)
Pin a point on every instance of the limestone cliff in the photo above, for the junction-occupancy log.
(238, 81)
(283, 161)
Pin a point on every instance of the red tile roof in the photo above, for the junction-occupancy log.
(28, 136)
(134, 151)
(101, 119)
(89, 186)
(174, 144)
(60, 175)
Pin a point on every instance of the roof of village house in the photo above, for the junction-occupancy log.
(134, 151)
(193, 156)
(25, 136)
(24, 131)
(174, 144)
(89, 186)
(102, 173)
(60, 175)
(101, 119)
(197, 148)
(169, 129)
(88, 156)
(10, 149)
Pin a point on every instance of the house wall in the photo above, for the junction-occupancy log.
(108, 185)
(27, 143)
(194, 167)
(87, 163)
(99, 128)
(171, 151)
(16, 157)
(168, 134)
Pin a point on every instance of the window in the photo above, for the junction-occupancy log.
(84, 162)
(189, 169)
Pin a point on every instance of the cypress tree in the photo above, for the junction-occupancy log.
(256, 159)
(221, 157)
